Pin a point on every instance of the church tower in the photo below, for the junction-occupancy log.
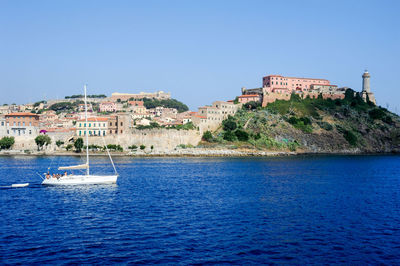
(366, 89)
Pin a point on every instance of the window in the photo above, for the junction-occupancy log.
(84, 124)
(116, 124)
(2, 123)
(89, 126)
(80, 133)
(116, 131)
(23, 123)
(80, 124)
(110, 131)
(121, 124)
(15, 123)
(30, 124)
(19, 123)
(110, 123)
(90, 132)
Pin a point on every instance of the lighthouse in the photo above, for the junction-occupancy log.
(366, 89)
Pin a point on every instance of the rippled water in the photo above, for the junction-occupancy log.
(295, 210)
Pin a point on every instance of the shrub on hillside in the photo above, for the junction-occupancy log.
(229, 136)
(350, 137)
(377, 113)
(325, 125)
(241, 135)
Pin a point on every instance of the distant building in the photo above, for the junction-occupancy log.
(151, 95)
(22, 124)
(107, 107)
(250, 98)
(136, 103)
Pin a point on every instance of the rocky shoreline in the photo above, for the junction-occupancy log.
(194, 152)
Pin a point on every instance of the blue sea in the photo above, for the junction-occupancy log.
(180, 211)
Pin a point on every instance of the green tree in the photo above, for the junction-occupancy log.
(78, 144)
(62, 106)
(133, 147)
(42, 140)
(207, 136)
(167, 103)
(142, 147)
(6, 143)
(59, 143)
(69, 147)
(229, 124)
(229, 136)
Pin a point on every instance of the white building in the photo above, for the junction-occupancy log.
(96, 126)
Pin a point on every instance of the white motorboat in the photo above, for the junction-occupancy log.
(83, 179)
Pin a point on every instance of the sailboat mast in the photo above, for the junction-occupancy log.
(87, 135)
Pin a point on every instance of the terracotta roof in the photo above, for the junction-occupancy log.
(200, 116)
(95, 119)
(249, 95)
(21, 114)
(323, 84)
(293, 77)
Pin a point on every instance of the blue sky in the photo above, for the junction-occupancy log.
(200, 51)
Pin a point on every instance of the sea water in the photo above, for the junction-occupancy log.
(178, 211)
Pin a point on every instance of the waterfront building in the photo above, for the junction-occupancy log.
(3, 126)
(211, 117)
(22, 124)
(96, 126)
(118, 124)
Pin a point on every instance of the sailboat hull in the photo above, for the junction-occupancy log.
(81, 180)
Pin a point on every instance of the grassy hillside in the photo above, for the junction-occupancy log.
(311, 125)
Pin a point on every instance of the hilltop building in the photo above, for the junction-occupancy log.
(366, 93)
(277, 87)
(108, 107)
(160, 95)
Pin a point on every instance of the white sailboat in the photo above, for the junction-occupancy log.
(85, 179)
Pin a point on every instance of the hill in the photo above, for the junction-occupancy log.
(311, 125)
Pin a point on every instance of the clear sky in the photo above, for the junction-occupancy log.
(200, 51)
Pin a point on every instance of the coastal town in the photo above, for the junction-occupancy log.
(150, 120)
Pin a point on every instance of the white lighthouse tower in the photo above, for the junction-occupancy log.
(366, 89)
